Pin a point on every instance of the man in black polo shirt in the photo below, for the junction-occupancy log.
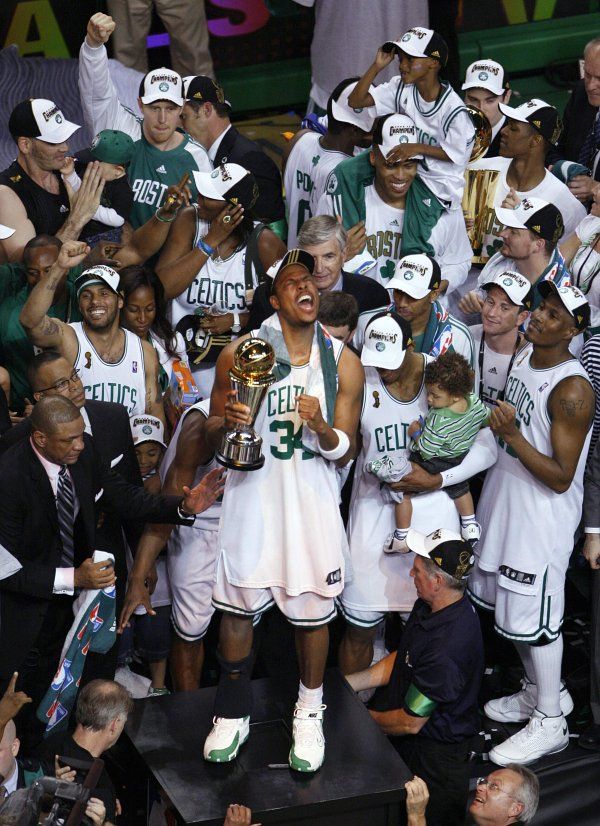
(433, 679)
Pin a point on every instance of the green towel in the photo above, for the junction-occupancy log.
(346, 187)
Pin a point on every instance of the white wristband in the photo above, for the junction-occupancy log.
(342, 447)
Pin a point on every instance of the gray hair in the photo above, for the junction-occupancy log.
(592, 44)
(319, 230)
(449, 581)
(100, 702)
(528, 793)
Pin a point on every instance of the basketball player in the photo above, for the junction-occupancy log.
(281, 537)
(115, 365)
(394, 396)
(191, 554)
(508, 299)
(313, 156)
(529, 510)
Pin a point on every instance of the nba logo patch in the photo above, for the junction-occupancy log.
(134, 366)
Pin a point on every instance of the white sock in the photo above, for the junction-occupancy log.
(547, 661)
(524, 652)
(467, 520)
(401, 533)
(310, 698)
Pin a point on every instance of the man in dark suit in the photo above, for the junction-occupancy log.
(326, 240)
(50, 374)
(52, 489)
(205, 117)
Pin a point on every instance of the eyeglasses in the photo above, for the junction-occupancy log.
(494, 787)
(62, 384)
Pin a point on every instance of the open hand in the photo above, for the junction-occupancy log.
(136, 595)
(86, 200)
(206, 492)
(356, 240)
(223, 225)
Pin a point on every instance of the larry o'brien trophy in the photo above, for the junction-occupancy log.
(480, 186)
(251, 376)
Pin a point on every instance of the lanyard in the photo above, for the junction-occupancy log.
(510, 364)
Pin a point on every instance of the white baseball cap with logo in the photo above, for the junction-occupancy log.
(536, 215)
(342, 111)
(516, 286)
(396, 130)
(485, 74)
(572, 299)
(220, 181)
(100, 274)
(162, 84)
(416, 275)
(385, 342)
(5, 232)
(42, 119)
(147, 429)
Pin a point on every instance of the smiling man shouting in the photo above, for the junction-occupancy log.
(281, 537)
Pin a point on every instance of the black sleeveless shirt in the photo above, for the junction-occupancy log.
(47, 212)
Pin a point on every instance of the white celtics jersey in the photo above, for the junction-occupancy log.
(550, 189)
(208, 519)
(306, 159)
(219, 281)
(444, 122)
(123, 382)
(528, 529)
(383, 226)
(491, 369)
(281, 525)
(381, 582)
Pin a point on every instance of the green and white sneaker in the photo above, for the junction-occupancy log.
(225, 739)
(308, 743)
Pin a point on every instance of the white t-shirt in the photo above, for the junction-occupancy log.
(585, 265)
(444, 122)
(550, 189)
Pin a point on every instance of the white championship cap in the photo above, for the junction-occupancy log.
(485, 74)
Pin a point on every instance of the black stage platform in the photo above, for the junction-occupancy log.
(361, 781)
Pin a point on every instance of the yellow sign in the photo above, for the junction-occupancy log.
(36, 16)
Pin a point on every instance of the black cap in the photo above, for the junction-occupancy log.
(538, 114)
(204, 89)
(293, 256)
(446, 549)
(572, 299)
(420, 42)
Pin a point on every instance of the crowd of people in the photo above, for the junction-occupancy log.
(429, 434)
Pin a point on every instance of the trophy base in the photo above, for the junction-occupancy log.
(233, 464)
(240, 450)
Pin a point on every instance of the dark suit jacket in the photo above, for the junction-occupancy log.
(369, 294)
(578, 119)
(4, 415)
(236, 148)
(29, 530)
(112, 437)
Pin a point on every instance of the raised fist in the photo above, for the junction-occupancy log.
(99, 29)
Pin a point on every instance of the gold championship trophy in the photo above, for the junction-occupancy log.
(480, 186)
(251, 376)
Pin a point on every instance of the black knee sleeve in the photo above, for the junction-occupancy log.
(234, 696)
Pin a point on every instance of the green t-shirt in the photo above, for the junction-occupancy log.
(12, 278)
(16, 351)
(152, 171)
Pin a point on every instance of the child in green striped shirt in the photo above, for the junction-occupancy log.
(440, 441)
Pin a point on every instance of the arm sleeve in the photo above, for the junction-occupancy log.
(108, 216)
(64, 581)
(481, 456)
(436, 679)
(384, 96)
(452, 247)
(101, 106)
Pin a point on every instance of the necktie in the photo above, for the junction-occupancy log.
(65, 506)
(590, 145)
(3, 793)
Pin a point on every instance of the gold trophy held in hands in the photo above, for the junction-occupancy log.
(480, 186)
(251, 376)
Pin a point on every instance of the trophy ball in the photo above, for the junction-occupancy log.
(254, 357)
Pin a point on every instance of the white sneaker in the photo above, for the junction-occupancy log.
(542, 735)
(393, 545)
(518, 708)
(471, 532)
(136, 684)
(308, 743)
(226, 737)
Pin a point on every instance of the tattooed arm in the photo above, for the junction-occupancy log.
(571, 409)
(42, 330)
(154, 399)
